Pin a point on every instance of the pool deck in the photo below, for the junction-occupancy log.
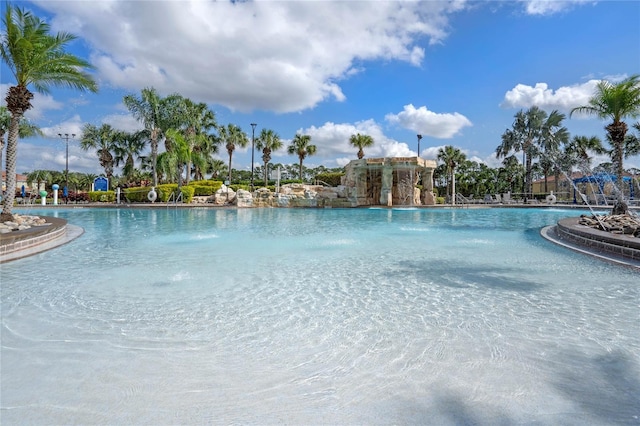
(614, 248)
(27, 242)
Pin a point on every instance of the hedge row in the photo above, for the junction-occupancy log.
(102, 196)
(332, 179)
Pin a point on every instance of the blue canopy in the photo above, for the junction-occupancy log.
(601, 179)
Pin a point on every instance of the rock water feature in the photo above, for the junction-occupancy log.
(623, 224)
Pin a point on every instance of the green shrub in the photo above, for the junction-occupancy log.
(439, 200)
(237, 186)
(166, 190)
(205, 188)
(332, 179)
(187, 193)
(137, 194)
(102, 196)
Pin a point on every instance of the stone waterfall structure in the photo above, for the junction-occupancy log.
(385, 182)
(390, 181)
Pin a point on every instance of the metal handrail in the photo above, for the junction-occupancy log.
(175, 199)
(462, 201)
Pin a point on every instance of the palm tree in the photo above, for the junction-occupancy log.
(527, 128)
(360, 142)
(232, 136)
(451, 157)
(615, 102)
(180, 154)
(103, 140)
(156, 114)
(195, 120)
(128, 147)
(301, 145)
(217, 168)
(580, 149)
(36, 58)
(25, 130)
(552, 136)
(268, 142)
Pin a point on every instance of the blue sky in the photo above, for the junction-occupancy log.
(455, 72)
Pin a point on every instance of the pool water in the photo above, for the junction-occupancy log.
(318, 316)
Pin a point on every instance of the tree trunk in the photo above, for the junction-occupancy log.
(12, 154)
(527, 189)
(453, 187)
(1, 151)
(154, 156)
(617, 131)
(266, 174)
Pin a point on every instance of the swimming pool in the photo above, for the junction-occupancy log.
(358, 316)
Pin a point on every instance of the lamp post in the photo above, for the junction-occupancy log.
(419, 137)
(253, 141)
(65, 138)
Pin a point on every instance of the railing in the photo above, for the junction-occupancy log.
(318, 181)
(462, 201)
(174, 199)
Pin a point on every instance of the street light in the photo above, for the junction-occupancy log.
(253, 141)
(419, 137)
(65, 138)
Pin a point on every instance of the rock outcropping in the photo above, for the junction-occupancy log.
(614, 223)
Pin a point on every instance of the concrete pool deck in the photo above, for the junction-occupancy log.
(18, 244)
(619, 249)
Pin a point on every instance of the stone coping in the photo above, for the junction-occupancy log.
(18, 244)
(616, 248)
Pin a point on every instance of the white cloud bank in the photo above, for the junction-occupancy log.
(562, 99)
(429, 123)
(275, 56)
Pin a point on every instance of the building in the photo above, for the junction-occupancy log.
(20, 180)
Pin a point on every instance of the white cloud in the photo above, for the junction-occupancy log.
(332, 141)
(563, 99)
(276, 56)
(124, 122)
(429, 123)
(73, 126)
(550, 7)
(40, 103)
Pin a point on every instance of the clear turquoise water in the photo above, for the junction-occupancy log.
(367, 316)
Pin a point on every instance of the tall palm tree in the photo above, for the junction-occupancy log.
(103, 140)
(25, 130)
(196, 120)
(580, 150)
(232, 136)
(35, 58)
(268, 142)
(553, 136)
(526, 129)
(181, 153)
(361, 141)
(615, 102)
(451, 157)
(301, 145)
(155, 113)
(128, 147)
